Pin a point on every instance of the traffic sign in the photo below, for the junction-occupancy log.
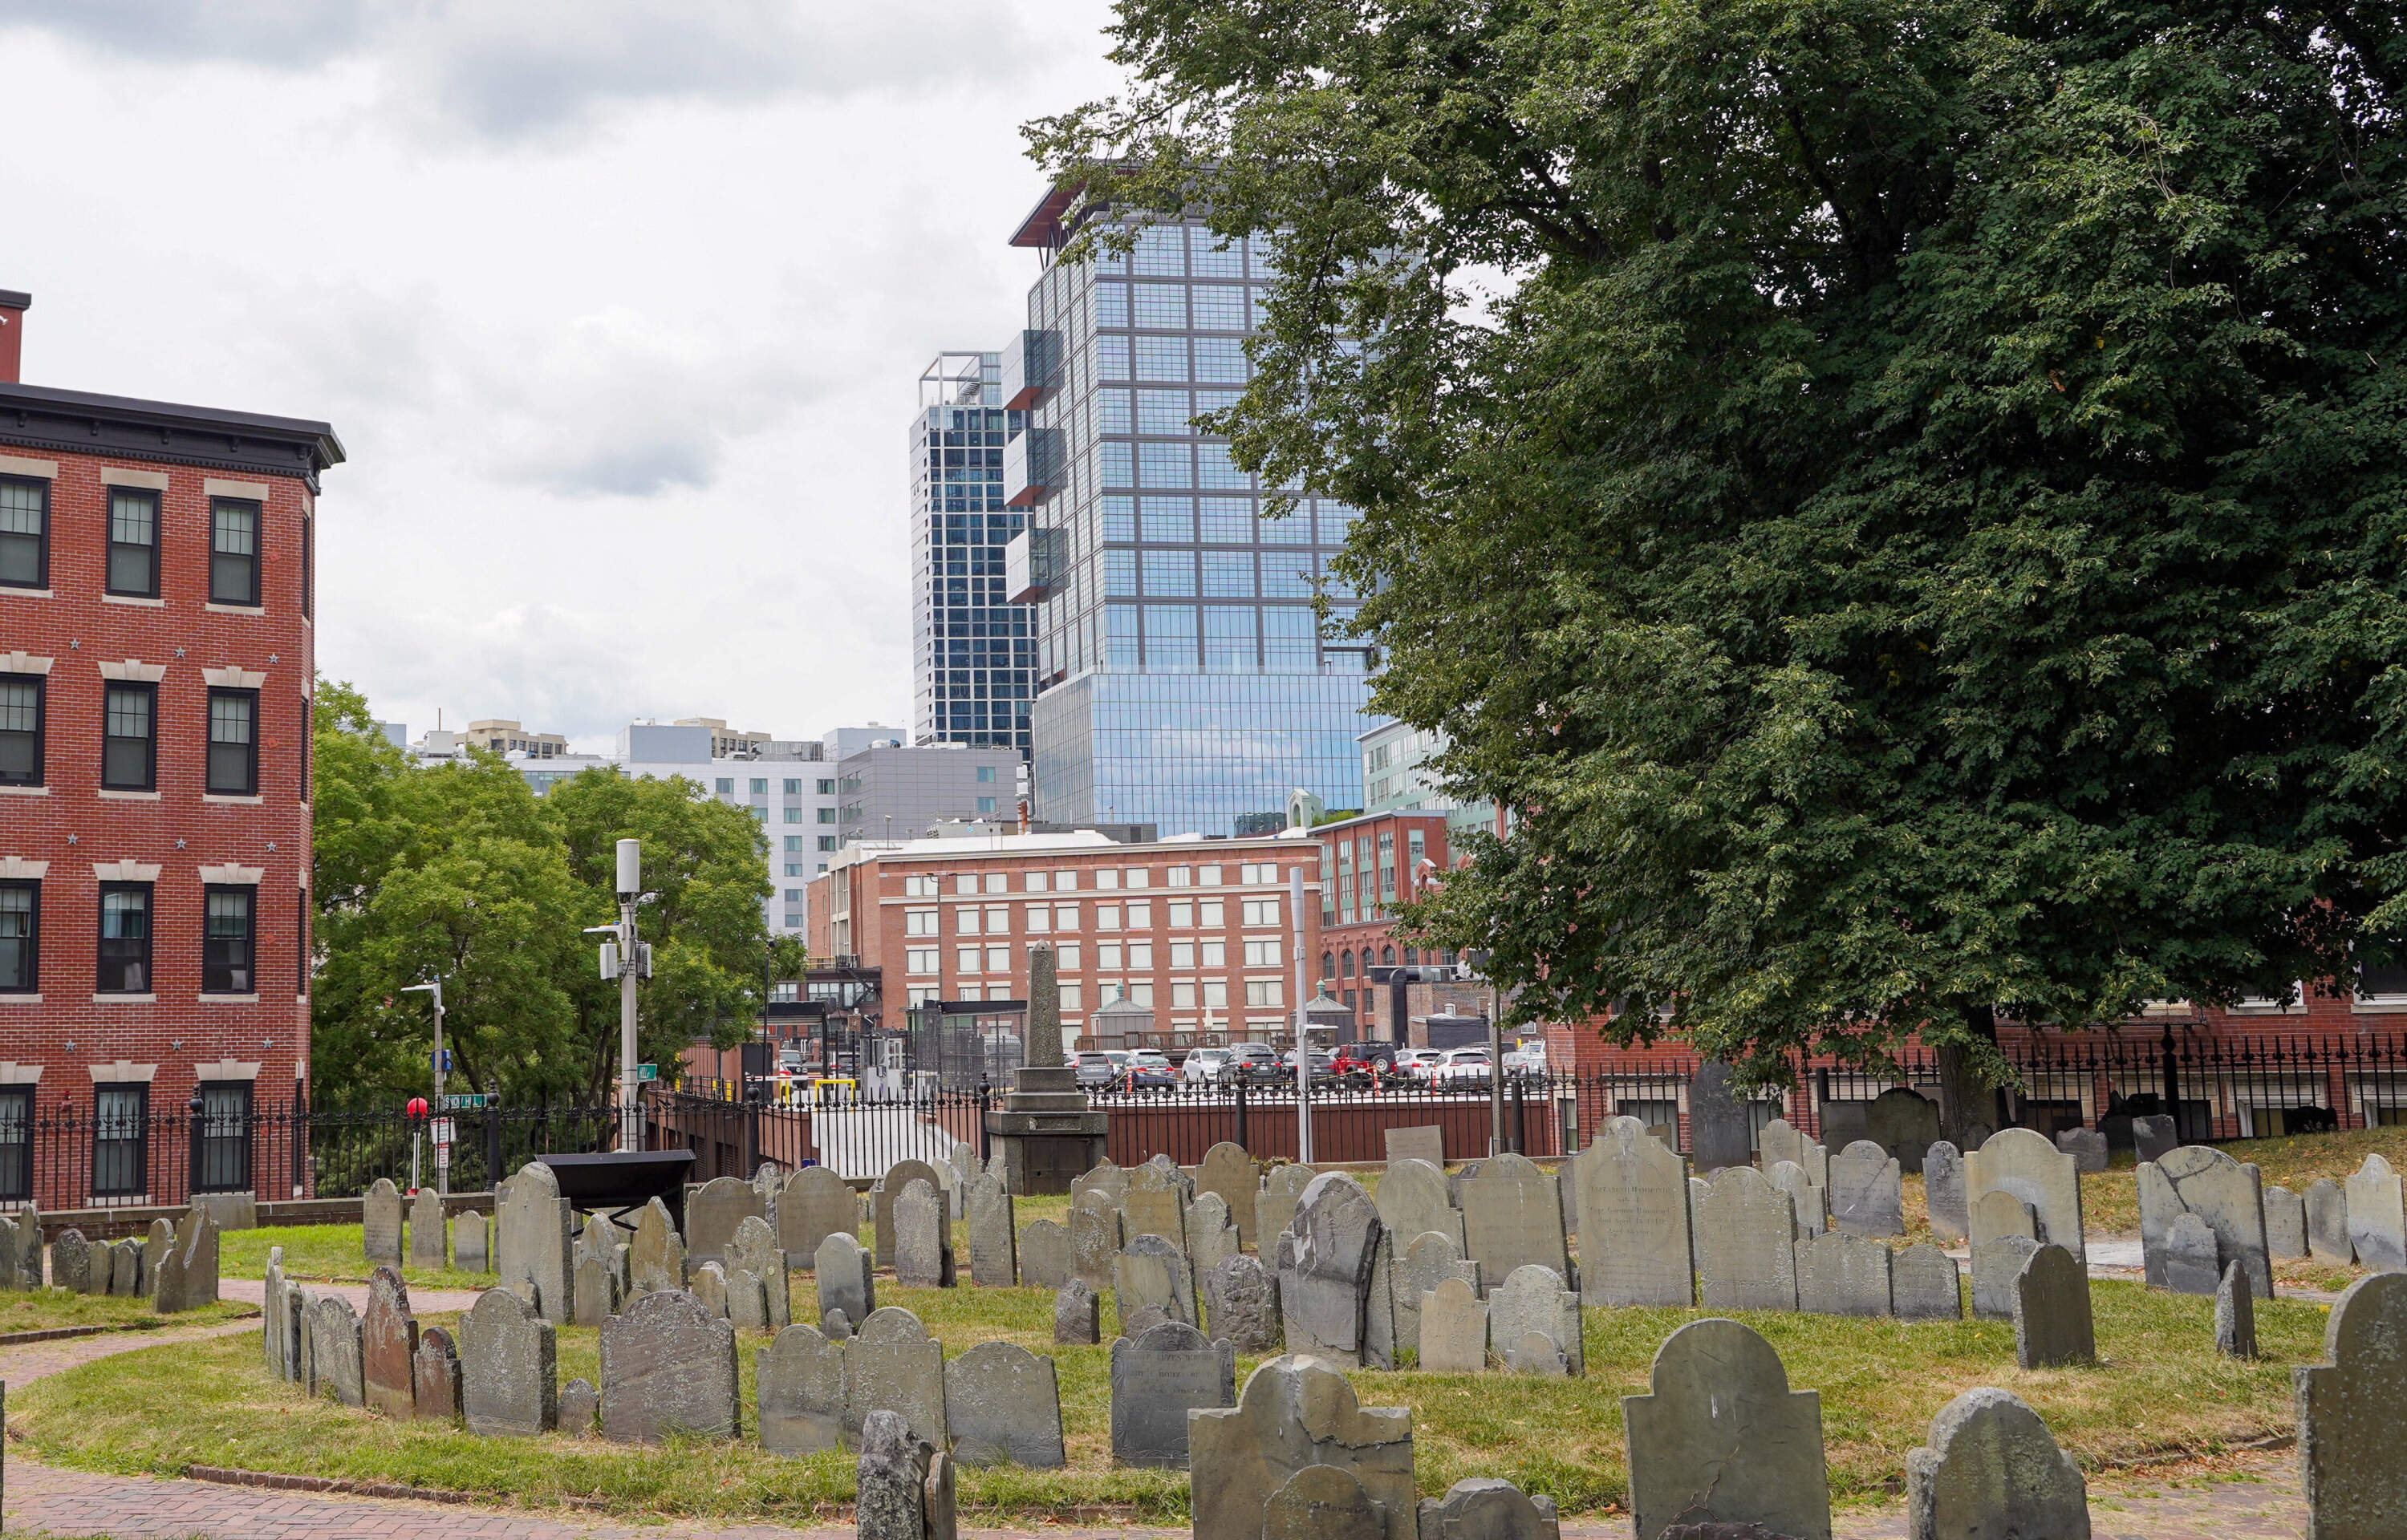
(647, 1071)
(442, 1133)
(467, 1101)
(442, 1157)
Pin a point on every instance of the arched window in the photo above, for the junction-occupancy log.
(1412, 957)
(1388, 957)
(1329, 965)
(1346, 964)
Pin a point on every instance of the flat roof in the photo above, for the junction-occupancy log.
(82, 423)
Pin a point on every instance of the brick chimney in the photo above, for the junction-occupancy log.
(13, 306)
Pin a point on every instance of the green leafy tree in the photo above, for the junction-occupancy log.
(1902, 500)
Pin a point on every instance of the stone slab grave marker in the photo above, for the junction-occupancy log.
(2028, 1166)
(754, 1251)
(1157, 1378)
(1637, 1249)
(994, 1245)
(1924, 1285)
(1746, 1243)
(389, 1348)
(533, 1239)
(1428, 1261)
(892, 1365)
(1867, 1191)
(1991, 1471)
(1144, 1319)
(924, 1237)
(125, 1268)
(2226, 1194)
(2154, 1137)
(841, 1270)
(2185, 1263)
(965, 1165)
(333, 1350)
(2327, 1242)
(71, 1260)
(1839, 1274)
(468, 1249)
(188, 1275)
(1905, 1124)
(1722, 1127)
(2087, 1146)
(2352, 1462)
(157, 1242)
(709, 1286)
(271, 1314)
(1150, 1271)
(2001, 1213)
(1004, 1406)
(1720, 1437)
(1943, 1190)
(1078, 1314)
(881, 1201)
(1808, 1200)
(1095, 1237)
(1323, 1503)
(581, 1407)
(1155, 1204)
(595, 1287)
(1454, 1329)
(1210, 1237)
(1241, 1305)
(1513, 1218)
(2285, 1224)
(1274, 1210)
(1228, 1170)
(2377, 1217)
(1296, 1412)
(1996, 1264)
(2235, 1315)
(1536, 1300)
(801, 1393)
(381, 1222)
(1484, 1508)
(2053, 1328)
(1109, 1179)
(1414, 1199)
(1044, 1253)
(1424, 1143)
(712, 1212)
(427, 1241)
(890, 1483)
(434, 1377)
(509, 1380)
(813, 1203)
(669, 1366)
(1325, 1260)
(1780, 1140)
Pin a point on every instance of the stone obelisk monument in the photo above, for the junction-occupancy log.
(1044, 1134)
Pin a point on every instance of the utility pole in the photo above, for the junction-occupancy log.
(627, 959)
(1302, 1044)
(442, 1158)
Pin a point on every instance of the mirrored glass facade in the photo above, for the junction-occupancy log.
(973, 663)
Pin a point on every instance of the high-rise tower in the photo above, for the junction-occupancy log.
(972, 657)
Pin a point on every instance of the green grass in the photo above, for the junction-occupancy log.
(50, 1309)
(2161, 1390)
(324, 1254)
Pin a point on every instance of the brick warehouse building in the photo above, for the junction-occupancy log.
(157, 652)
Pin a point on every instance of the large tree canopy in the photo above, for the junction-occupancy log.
(1900, 499)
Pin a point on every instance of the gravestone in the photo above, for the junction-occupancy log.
(656, 1256)
(1839, 1274)
(2228, 1196)
(2285, 1224)
(1155, 1204)
(230, 1210)
(1454, 1329)
(1228, 1170)
(1513, 1218)
(389, 1348)
(427, 1247)
(1534, 1352)
(1157, 1379)
(1999, 1213)
(71, 1262)
(1720, 1438)
(1426, 1143)
(1996, 1264)
(1535, 1299)
(29, 1246)
(1808, 1200)
(1004, 1406)
(1923, 1285)
(2186, 1263)
(1274, 1210)
(1149, 1270)
(1144, 1319)
(188, 1275)
(1746, 1243)
(296, 1337)
(1484, 1508)
(1077, 1313)
(468, 1250)
(881, 1201)
(2351, 1460)
(1415, 1200)
(1094, 1239)
(1428, 1261)
(754, 1250)
(1296, 1411)
(1044, 1252)
(892, 1365)
(1989, 1471)
(669, 1366)
(1636, 1248)
(595, 1288)
(509, 1367)
(2235, 1315)
(2087, 1146)
(2026, 1165)
(1379, 1307)
(2377, 1217)
(1780, 1140)
(1241, 1305)
(157, 1241)
(800, 1389)
(2052, 1321)
(271, 1311)
(1106, 1179)
(708, 1285)
(924, 1237)
(890, 1483)
(434, 1377)
(712, 1212)
(1210, 1235)
(580, 1406)
(1721, 1125)
(2154, 1138)
(1323, 1503)
(1943, 1192)
(532, 1239)
(381, 1222)
(835, 1326)
(841, 1269)
(1867, 1192)
(125, 1268)
(994, 1245)
(334, 1349)
(813, 1203)
(1903, 1122)
(1325, 1259)
(2327, 1239)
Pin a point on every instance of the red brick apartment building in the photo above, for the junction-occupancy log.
(1369, 865)
(157, 648)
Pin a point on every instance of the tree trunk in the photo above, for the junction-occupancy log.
(1966, 1105)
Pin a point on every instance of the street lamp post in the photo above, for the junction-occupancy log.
(434, 989)
(1303, 1042)
(627, 959)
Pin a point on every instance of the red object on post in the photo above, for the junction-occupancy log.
(417, 1109)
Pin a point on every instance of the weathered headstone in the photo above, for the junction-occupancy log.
(297, 1335)
(509, 1382)
(389, 1348)
(1721, 1438)
(1535, 1299)
(800, 1379)
(835, 1326)
(1867, 1192)
(1106, 1179)
(712, 1212)
(2351, 1460)
(2052, 1322)
(71, 1262)
(2087, 1146)
(924, 1237)
(125, 1268)
(272, 1329)
(1228, 1170)
(1839, 1274)
(188, 1276)
(1241, 1305)
(1903, 1122)
(669, 1366)
(1095, 1236)
(1454, 1329)
(427, 1240)
(1295, 1412)
(1780, 1140)
(381, 1222)
(156, 1243)
(1210, 1235)
(656, 1257)
(1323, 1503)
(1155, 1204)
(1996, 1264)
(1142, 1320)
(1157, 1378)
(2001, 1213)
(580, 1407)
(1274, 1210)
(813, 1203)
(30, 1248)
(2235, 1315)
(1428, 1261)
(2185, 1257)
(532, 1240)
(881, 1201)
(1746, 1243)
(1484, 1508)
(1150, 1270)
(1808, 1199)
(1992, 1472)
(230, 1210)
(1414, 1200)
(434, 1377)
(1636, 1248)
(754, 1249)
(1325, 1261)
(892, 1365)
(595, 1288)
(840, 1266)
(2153, 1137)
(2028, 1164)
(708, 1285)
(334, 1350)
(1004, 1406)
(2228, 1196)
(468, 1250)
(994, 1245)
(2285, 1224)
(2377, 1217)
(1943, 1190)
(1426, 1143)
(1923, 1285)
(2327, 1239)
(1044, 1252)
(1721, 1125)
(891, 1482)
(1513, 1218)
(1078, 1314)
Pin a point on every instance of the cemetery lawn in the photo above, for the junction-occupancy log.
(324, 1254)
(2160, 1391)
(50, 1309)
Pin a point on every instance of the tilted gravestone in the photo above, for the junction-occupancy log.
(2052, 1321)
(712, 1212)
(656, 1256)
(2327, 1239)
(904, 1486)
(1636, 1248)
(1228, 1170)
(1903, 1122)
(1989, 1471)
(1426, 1143)
(1241, 1305)
(2377, 1217)
(434, 1377)
(1484, 1508)
(994, 1245)
(801, 1394)
(1839, 1274)
(1535, 1299)
(1158, 1377)
(1210, 1235)
(2087, 1146)
(333, 1350)
(1274, 1210)
(1155, 1204)
(669, 1366)
(1867, 1192)
(881, 1201)
(1720, 1437)
(1721, 1125)
(468, 1249)
(1078, 1314)
(1044, 1252)
(2235, 1315)
(188, 1275)
(427, 1241)
(1996, 1264)
(1325, 1261)
(1004, 1406)
(813, 1203)
(1095, 1237)
(1807, 1198)
(1427, 1262)
(381, 1222)
(1323, 1503)
(156, 1243)
(2285, 1224)
(509, 1382)
(1746, 1243)
(1999, 1213)
(1924, 1285)
(1454, 1329)
(2185, 1257)
(841, 1269)
(2032, 1168)
(924, 1237)
(1296, 1412)
(389, 1348)
(2351, 1460)
(1943, 1190)
(1150, 1271)
(2154, 1138)
(533, 1239)
(1415, 1200)
(581, 1407)
(892, 1365)
(2226, 1194)
(1513, 1218)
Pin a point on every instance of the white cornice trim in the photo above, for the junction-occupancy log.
(233, 679)
(25, 662)
(125, 872)
(123, 1071)
(233, 875)
(15, 868)
(135, 669)
(228, 1069)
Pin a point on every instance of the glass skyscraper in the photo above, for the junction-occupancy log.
(973, 663)
(1181, 676)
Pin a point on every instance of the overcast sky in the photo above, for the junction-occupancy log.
(618, 306)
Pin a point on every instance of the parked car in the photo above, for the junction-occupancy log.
(1362, 1065)
(1527, 1063)
(1209, 1066)
(1099, 1066)
(1415, 1063)
(1324, 1067)
(1259, 1062)
(1462, 1066)
(1146, 1070)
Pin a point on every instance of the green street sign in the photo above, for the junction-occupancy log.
(468, 1102)
(647, 1071)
